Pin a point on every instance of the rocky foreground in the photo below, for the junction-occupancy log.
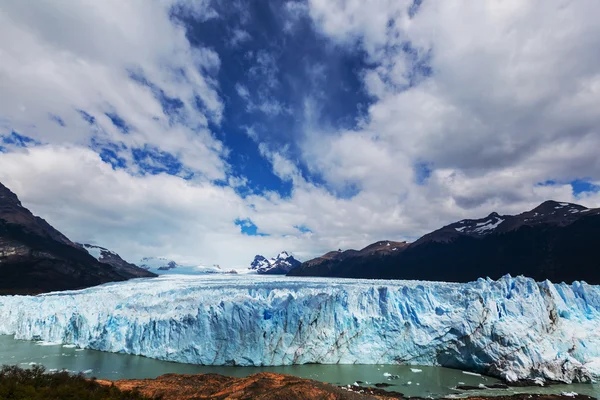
(269, 386)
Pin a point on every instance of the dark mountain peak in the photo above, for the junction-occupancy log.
(282, 264)
(330, 260)
(7, 197)
(551, 206)
(12, 212)
(384, 246)
(558, 241)
(36, 258)
(257, 262)
(105, 256)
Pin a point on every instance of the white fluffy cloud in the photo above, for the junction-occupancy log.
(509, 100)
(58, 58)
(477, 104)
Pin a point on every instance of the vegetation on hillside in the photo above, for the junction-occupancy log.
(37, 384)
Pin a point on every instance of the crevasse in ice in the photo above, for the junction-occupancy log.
(514, 328)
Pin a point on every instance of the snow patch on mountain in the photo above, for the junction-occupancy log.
(97, 252)
(282, 264)
(478, 227)
(157, 264)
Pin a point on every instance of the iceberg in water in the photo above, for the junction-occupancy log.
(513, 328)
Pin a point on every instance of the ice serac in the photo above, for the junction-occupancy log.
(513, 328)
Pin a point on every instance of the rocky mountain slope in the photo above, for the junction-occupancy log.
(280, 265)
(111, 258)
(555, 241)
(35, 257)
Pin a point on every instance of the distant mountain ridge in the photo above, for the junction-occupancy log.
(36, 258)
(558, 241)
(162, 266)
(158, 263)
(109, 257)
(280, 265)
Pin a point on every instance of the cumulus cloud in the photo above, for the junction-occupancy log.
(496, 97)
(62, 59)
(110, 118)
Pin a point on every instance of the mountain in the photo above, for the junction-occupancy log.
(282, 264)
(163, 266)
(158, 264)
(113, 259)
(373, 251)
(555, 241)
(36, 258)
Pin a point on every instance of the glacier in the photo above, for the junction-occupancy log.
(513, 328)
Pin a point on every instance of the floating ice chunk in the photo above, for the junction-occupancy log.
(416, 370)
(471, 373)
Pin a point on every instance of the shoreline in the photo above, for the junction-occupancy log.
(268, 385)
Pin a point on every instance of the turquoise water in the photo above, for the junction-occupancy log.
(411, 380)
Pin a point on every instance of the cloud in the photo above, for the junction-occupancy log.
(493, 106)
(239, 36)
(192, 221)
(114, 125)
(65, 60)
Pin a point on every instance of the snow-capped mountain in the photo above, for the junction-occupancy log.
(513, 328)
(157, 264)
(558, 241)
(551, 213)
(282, 264)
(163, 266)
(111, 258)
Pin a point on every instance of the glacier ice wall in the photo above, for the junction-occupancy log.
(514, 328)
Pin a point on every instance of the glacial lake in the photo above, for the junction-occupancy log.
(412, 380)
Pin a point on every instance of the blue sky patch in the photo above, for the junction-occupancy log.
(172, 106)
(57, 119)
(18, 140)
(118, 122)
(303, 228)
(583, 186)
(422, 172)
(154, 161)
(87, 117)
(267, 89)
(110, 156)
(248, 227)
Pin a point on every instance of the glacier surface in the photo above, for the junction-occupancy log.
(513, 328)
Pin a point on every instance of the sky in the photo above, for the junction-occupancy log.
(208, 132)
